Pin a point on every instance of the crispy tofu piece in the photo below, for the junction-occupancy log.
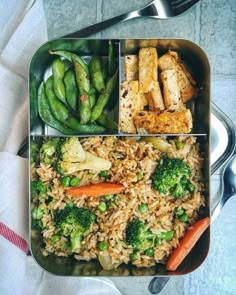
(166, 122)
(131, 67)
(171, 91)
(154, 97)
(130, 104)
(148, 43)
(187, 84)
(147, 69)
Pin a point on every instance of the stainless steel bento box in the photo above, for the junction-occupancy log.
(40, 69)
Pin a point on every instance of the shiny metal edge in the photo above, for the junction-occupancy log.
(223, 138)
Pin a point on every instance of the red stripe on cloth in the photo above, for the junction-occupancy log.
(13, 237)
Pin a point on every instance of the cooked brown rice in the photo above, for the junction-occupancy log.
(128, 156)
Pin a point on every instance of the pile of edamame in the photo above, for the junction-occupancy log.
(73, 101)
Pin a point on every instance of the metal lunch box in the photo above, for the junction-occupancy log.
(196, 59)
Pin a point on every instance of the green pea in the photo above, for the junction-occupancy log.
(102, 246)
(74, 181)
(93, 217)
(37, 212)
(54, 238)
(65, 246)
(179, 211)
(143, 208)
(109, 197)
(184, 218)
(139, 176)
(133, 256)
(149, 252)
(65, 181)
(179, 144)
(167, 235)
(41, 187)
(104, 173)
(102, 207)
(157, 241)
(191, 187)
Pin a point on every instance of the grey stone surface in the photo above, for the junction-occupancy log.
(212, 25)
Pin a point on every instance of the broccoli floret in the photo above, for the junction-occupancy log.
(74, 222)
(138, 236)
(69, 151)
(37, 214)
(71, 158)
(141, 238)
(48, 150)
(34, 149)
(172, 176)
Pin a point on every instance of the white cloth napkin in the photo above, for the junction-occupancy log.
(23, 31)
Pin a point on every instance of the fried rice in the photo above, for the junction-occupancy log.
(128, 156)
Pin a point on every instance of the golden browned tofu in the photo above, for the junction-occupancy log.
(166, 122)
(131, 67)
(130, 104)
(154, 97)
(148, 43)
(147, 67)
(171, 91)
(186, 83)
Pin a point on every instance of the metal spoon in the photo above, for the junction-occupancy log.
(228, 190)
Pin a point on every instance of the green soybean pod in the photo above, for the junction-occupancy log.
(83, 84)
(46, 115)
(71, 90)
(95, 69)
(111, 59)
(58, 71)
(69, 56)
(92, 96)
(103, 98)
(105, 121)
(61, 113)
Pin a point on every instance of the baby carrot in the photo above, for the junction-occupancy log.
(187, 243)
(97, 189)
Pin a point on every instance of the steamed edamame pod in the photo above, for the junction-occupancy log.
(103, 98)
(83, 84)
(111, 59)
(58, 71)
(69, 55)
(46, 115)
(95, 68)
(61, 113)
(71, 90)
(92, 96)
(105, 121)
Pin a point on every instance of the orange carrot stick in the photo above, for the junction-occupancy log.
(187, 243)
(97, 189)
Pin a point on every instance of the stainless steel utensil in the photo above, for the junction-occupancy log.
(228, 190)
(160, 9)
(228, 186)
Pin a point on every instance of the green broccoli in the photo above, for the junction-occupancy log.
(74, 222)
(172, 176)
(71, 158)
(140, 238)
(48, 150)
(37, 214)
(34, 149)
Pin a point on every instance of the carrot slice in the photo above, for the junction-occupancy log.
(187, 243)
(97, 189)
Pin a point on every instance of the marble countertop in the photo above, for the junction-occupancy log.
(211, 25)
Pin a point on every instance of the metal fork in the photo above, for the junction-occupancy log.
(160, 9)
